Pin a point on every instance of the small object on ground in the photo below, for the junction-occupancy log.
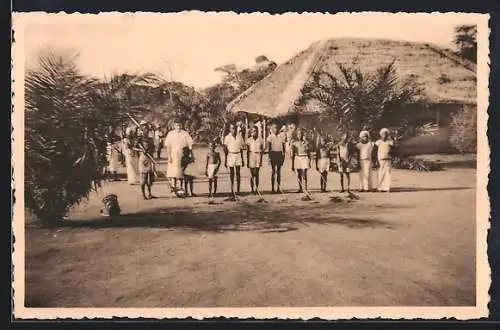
(111, 206)
(336, 199)
(352, 196)
(231, 198)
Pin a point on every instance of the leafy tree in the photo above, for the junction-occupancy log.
(357, 99)
(67, 124)
(241, 79)
(466, 41)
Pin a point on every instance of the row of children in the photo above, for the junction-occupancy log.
(370, 155)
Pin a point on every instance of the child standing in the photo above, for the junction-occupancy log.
(344, 151)
(145, 147)
(301, 155)
(255, 151)
(365, 151)
(212, 167)
(276, 147)
(323, 162)
(187, 165)
(384, 148)
(233, 150)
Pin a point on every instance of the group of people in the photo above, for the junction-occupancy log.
(288, 146)
(292, 144)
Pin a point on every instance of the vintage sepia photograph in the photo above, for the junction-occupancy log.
(250, 165)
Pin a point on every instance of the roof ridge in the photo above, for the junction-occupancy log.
(469, 65)
(247, 91)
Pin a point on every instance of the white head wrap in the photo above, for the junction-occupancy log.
(364, 133)
(384, 130)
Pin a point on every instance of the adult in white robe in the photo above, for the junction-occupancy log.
(175, 142)
(131, 157)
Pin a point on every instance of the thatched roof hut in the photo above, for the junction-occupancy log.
(276, 94)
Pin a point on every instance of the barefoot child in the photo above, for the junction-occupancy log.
(276, 146)
(344, 152)
(323, 162)
(145, 147)
(255, 151)
(233, 151)
(187, 165)
(384, 148)
(212, 167)
(365, 151)
(301, 155)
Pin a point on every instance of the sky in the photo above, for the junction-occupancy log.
(187, 47)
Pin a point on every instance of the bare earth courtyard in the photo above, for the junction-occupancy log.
(412, 247)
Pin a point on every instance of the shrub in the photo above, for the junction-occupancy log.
(67, 120)
(414, 164)
(463, 126)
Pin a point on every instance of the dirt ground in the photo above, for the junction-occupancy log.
(412, 247)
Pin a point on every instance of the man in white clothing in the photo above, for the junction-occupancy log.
(177, 143)
(384, 149)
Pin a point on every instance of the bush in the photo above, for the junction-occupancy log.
(463, 126)
(66, 133)
(414, 164)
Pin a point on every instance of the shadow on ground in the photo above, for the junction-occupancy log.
(266, 218)
(412, 189)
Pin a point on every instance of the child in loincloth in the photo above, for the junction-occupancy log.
(187, 165)
(323, 162)
(344, 151)
(212, 167)
(301, 156)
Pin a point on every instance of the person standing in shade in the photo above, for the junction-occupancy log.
(176, 143)
(276, 147)
(112, 155)
(255, 152)
(131, 162)
(365, 151)
(233, 151)
(145, 147)
(159, 139)
(384, 148)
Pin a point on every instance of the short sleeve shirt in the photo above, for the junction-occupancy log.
(254, 145)
(384, 148)
(234, 144)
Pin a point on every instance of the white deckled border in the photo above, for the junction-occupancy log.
(20, 20)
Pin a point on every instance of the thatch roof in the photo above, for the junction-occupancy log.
(276, 94)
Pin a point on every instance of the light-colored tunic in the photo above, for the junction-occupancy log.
(385, 162)
(175, 142)
(365, 165)
(255, 149)
(131, 162)
(112, 156)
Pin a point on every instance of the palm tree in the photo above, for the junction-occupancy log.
(356, 98)
(67, 120)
